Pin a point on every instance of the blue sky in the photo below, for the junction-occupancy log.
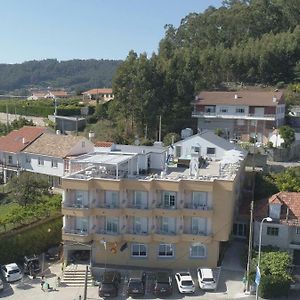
(67, 29)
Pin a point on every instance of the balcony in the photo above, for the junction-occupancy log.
(166, 236)
(162, 210)
(137, 236)
(138, 210)
(76, 235)
(196, 236)
(108, 236)
(76, 210)
(107, 209)
(192, 210)
(213, 115)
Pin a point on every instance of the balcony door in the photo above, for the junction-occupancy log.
(169, 199)
(112, 199)
(199, 226)
(82, 225)
(168, 225)
(140, 225)
(112, 225)
(140, 199)
(199, 199)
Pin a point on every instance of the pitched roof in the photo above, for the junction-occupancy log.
(54, 145)
(290, 207)
(244, 97)
(98, 91)
(18, 140)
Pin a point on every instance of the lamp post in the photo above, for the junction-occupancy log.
(268, 219)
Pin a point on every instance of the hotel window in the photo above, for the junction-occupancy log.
(274, 231)
(54, 163)
(40, 161)
(112, 224)
(138, 250)
(169, 199)
(140, 199)
(198, 251)
(166, 250)
(199, 199)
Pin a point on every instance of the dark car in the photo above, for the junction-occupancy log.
(162, 284)
(110, 283)
(136, 284)
(31, 265)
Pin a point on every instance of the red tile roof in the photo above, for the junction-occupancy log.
(103, 144)
(244, 97)
(290, 207)
(18, 140)
(98, 91)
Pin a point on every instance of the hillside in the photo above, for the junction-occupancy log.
(74, 75)
(244, 42)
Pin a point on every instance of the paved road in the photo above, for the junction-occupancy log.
(36, 120)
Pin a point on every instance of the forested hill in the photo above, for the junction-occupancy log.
(244, 42)
(72, 74)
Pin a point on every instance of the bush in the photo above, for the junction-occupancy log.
(273, 286)
(168, 138)
(34, 240)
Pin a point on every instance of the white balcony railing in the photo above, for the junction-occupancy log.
(201, 114)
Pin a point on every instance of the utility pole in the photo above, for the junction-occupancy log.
(85, 283)
(159, 130)
(250, 246)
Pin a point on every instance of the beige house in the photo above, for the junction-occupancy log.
(102, 94)
(132, 209)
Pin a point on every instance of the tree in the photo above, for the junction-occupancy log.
(27, 188)
(289, 180)
(288, 135)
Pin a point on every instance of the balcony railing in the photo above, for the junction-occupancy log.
(76, 231)
(163, 206)
(137, 232)
(135, 206)
(233, 116)
(196, 232)
(76, 205)
(166, 232)
(196, 206)
(109, 232)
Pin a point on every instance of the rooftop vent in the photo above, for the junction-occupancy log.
(236, 96)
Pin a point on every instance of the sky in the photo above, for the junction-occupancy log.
(84, 29)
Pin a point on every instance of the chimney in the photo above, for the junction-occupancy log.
(287, 214)
(236, 96)
(91, 135)
(274, 99)
(23, 141)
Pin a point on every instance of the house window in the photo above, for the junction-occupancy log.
(223, 109)
(240, 110)
(169, 199)
(274, 231)
(297, 230)
(54, 163)
(211, 151)
(40, 161)
(138, 250)
(198, 251)
(166, 250)
(10, 159)
(27, 159)
(195, 149)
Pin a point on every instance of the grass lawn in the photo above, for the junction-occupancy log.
(7, 208)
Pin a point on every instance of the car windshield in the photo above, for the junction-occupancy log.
(184, 274)
(187, 283)
(208, 279)
(14, 271)
(107, 286)
(135, 284)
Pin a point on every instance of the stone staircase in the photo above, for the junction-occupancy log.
(74, 276)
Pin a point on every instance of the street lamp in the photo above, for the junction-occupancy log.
(268, 219)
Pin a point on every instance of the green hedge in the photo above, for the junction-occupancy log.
(273, 286)
(34, 240)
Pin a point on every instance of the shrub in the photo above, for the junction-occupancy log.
(273, 286)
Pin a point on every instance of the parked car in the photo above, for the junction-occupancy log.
(1, 285)
(52, 253)
(185, 282)
(31, 265)
(162, 284)
(206, 279)
(136, 284)
(109, 285)
(11, 272)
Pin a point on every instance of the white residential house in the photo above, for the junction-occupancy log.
(11, 147)
(51, 153)
(284, 230)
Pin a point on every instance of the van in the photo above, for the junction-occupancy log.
(136, 284)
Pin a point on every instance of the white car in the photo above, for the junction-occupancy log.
(1, 285)
(11, 272)
(206, 279)
(185, 282)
